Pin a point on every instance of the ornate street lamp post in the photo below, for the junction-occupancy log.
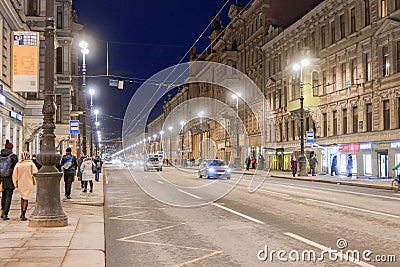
(48, 211)
(302, 158)
(170, 128)
(201, 114)
(182, 144)
(91, 93)
(84, 50)
(237, 161)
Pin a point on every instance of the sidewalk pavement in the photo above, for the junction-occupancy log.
(80, 243)
(370, 182)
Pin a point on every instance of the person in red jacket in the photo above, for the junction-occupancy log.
(293, 165)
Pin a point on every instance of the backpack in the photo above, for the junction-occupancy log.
(6, 166)
(68, 164)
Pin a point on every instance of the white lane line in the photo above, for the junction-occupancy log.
(187, 193)
(238, 213)
(354, 208)
(160, 182)
(340, 191)
(323, 248)
(276, 193)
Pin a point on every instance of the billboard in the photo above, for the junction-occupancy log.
(25, 61)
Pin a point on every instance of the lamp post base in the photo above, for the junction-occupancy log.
(48, 211)
(302, 166)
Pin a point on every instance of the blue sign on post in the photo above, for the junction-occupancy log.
(74, 126)
(310, 136)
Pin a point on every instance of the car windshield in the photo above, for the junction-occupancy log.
(153, 159)
(217, 163)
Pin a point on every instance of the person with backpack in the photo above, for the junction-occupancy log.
(69, 166)
(24, 180)
(8, 160)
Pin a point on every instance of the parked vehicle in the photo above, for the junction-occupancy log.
(214, 168)
(153, 164)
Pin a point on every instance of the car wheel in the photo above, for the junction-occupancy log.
(228, 177)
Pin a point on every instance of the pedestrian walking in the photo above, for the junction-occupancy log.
(37, 164)
(69, 166)
(247, 162)
(349, 165)
(8, 160)
(88, 170)
(293, 165)
(261, 161)
(313, 164)
(98, 163)
(24, 180)
(334, 169)
(253, 162)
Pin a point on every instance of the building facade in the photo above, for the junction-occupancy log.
(21, 110)
(351, 88)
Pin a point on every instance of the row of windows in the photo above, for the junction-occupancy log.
(33, 9)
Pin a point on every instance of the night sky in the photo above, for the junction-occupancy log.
(144, 37)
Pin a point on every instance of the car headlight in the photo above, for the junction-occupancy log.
(211, 170)
(228, 170)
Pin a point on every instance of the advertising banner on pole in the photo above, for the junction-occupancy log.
(25, 61)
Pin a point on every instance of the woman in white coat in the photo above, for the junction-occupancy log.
(87, 173)
(23, 180)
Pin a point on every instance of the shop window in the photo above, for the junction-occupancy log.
(344, 126)
(386, 115)
(367, 15)
(397, 161)
(342, 23)
(385, 61)
(355, 119)
(325, 124)
(334, 114)
(369, 117)
(352, 20)
(367, 158)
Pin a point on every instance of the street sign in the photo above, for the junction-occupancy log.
(310, 136)
(188, 149)
(74, 126)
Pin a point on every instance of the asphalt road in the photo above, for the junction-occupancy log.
(219, 223)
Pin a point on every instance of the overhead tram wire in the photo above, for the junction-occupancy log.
(180, 61)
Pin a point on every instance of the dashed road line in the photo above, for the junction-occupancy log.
(323, 248)
(239, 214)
(189, 194)
(160, 182)
(354, 208)
(276, 193)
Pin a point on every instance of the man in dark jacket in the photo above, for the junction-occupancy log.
(7, 163)
(69, 166)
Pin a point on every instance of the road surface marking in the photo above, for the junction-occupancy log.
(340, 191)
(354, 208)
(148, 232)
(323, 248)
(160, 182)
(187, 193)
(272, 192)
(198, 259)
(238, 213)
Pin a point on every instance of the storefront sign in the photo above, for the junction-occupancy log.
(15, 115)
(366, 146)
(349, 148)
(74, 126)
(395, 145)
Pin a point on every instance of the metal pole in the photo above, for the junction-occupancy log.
(84, 142)
(201, 137)
(302, 158)
(183, 137)
(91, 125)
(48, 211)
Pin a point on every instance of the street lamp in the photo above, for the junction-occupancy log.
(302, 158)
(170, 128)
(91, 93)
(201, 114)
(48, 211)
(154, 144)
(182, 136)
(84, 50)
(237, 160)
(161, 141)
